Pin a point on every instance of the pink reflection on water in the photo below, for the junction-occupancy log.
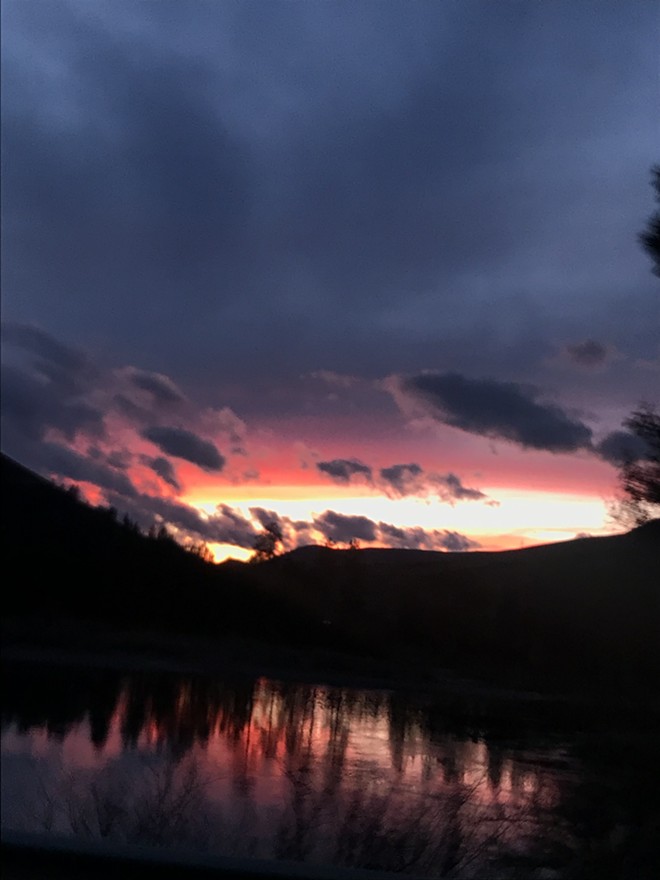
(282, 756)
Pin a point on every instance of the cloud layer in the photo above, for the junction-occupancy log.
(350, 188)
(66, 417)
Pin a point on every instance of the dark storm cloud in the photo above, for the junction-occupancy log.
(295, 533)
(67, 370)
(590, 354)
(30, 407)
(164, 469)
(162, 388)
(620, 447)
(400, 476)
(264, 516)
(457, 491)
(343, 470)
(404, 538)
(119, 459)
(302, 533)
(131, 181)
(501, 410)
(411, 479)
(130, 409)
(148, 508)
(45, 346)
(64, 462)
(456, 543)
(231, 527)
(226, 526)
(288, 170)
(342, 528)
(186, 445)
(417, 538)
(46, 387)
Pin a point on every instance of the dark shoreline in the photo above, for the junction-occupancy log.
(74, 644)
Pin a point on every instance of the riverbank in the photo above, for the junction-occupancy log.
(89, 644)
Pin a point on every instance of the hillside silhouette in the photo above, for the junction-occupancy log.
(582, 609)
(72, 561)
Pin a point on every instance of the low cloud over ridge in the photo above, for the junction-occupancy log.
(343, 528)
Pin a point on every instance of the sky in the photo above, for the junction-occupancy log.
(369, 270)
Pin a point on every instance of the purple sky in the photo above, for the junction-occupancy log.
(242, 240)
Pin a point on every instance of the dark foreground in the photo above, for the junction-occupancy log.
(576, 777)
(32, 857)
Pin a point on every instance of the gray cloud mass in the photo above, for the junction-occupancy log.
(342, 528)
(589, 353)
(230, 169)
(64, 462)
(164, 469)
(343, 470)
(400, 476)
(186, 445)
(501, 410)
(620, 447)
(411, 479)
(30, 407)
(163, 390)
(45, 347)
(457, 491)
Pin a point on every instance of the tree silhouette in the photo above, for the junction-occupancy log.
(650, 238)
(267, 543)
(640, 477)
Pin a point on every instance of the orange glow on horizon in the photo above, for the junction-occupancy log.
(521, 519)
(535, 497)
(223, 552)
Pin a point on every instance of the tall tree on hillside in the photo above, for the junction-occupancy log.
(640, 477)
(650, 238)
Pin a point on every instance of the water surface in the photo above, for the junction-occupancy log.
(336, 775)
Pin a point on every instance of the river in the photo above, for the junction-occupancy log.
(437, 785)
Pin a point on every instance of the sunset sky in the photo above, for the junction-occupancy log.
(368, 269)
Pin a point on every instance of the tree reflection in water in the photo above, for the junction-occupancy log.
(343, 776)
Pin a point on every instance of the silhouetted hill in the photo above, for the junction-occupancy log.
(590, 605)
(63, 558)
(587, 607)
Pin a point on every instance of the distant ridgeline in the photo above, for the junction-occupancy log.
(583, 608)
